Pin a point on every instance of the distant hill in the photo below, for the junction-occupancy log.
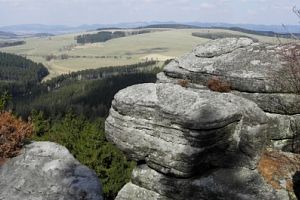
(176, 26)
(243, 30)
(7, 35)
(265, 33)
(43, 35)
(62, 29)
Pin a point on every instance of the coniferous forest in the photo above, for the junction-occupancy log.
(71, 110)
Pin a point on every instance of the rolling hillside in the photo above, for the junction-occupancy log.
(61, 54)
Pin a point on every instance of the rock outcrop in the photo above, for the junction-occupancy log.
(47, 171)
(256, 71)
(193, 143)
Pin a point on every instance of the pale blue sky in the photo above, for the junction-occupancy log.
(76, 12)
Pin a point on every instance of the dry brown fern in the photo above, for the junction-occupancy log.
(215, 84)
(13, 133)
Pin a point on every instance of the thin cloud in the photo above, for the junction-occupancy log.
(75, 12)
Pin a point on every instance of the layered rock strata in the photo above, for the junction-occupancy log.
(193, 143)
(259, 72)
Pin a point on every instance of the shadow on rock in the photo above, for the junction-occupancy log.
(296, 183)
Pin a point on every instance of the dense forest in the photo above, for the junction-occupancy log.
(11, 43)
(104, 36)
(87, 92)
(71, 109)
(17, 68)
(19, 75)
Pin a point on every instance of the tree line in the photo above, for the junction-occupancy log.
(104, 36)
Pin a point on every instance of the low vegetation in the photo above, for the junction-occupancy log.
(13, 134)
(183, 83)
(216, 84)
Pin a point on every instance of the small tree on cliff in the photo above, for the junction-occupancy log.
(288, 77)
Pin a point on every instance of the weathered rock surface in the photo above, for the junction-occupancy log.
(238, 183)
(252, 69)
(193, 143)
(47, 171)
(176, 130)
(244, 64)
(284, 132)
(280, 169)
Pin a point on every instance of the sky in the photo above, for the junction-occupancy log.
(78, 12)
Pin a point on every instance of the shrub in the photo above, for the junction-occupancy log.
(13, 134)
(215, 84)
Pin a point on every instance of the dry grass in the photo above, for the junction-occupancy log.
(183, 83)
(13, 133)
(215, 84)
(161, 45)
(278, 169)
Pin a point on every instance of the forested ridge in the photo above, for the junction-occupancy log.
(11, 43)
(71, 109)
(17, 68)
(19, 75)
(104, 36)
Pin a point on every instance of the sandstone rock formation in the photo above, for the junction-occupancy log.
(192, 143)
(47, 171)
(255, 71)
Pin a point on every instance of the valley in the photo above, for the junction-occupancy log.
(160, 44)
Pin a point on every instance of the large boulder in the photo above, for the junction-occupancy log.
(47, 171)
(193, 143)
(256, 71)
(237, 184)
(177, 131)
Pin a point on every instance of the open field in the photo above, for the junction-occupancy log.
(160, 45)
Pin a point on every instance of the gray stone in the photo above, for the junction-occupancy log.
(177, 130)
(237, 183)
(47, 171)
(255, 71)
(284, 132)
(131, 192)
(280, 103)
(193, 143)
(219, 47)
(247, 67)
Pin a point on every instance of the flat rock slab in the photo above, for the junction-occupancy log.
(176, 130)
(245, 65)
(47, 171)
(256, 71)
